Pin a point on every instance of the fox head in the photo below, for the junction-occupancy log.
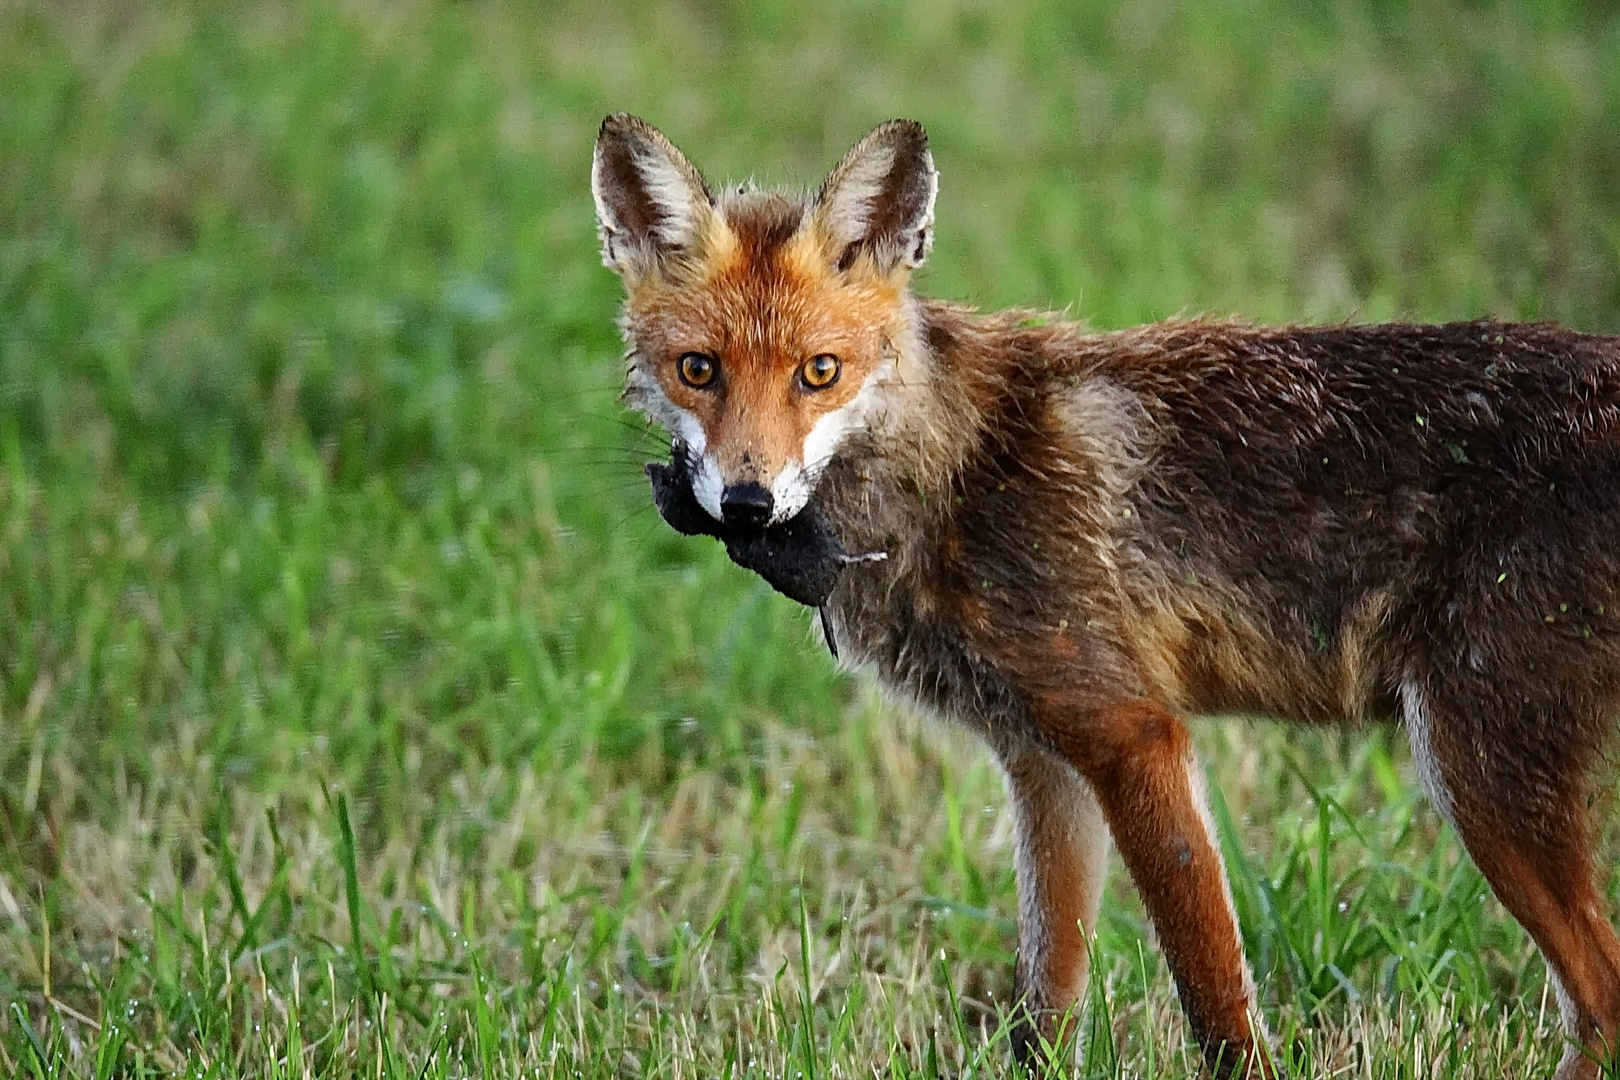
(761, 324)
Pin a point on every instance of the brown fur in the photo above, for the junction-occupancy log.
(1089, 536)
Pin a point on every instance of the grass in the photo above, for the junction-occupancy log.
(358, 717)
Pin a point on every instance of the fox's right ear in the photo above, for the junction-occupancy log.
(650, 201)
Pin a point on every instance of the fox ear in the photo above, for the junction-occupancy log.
(880, 199)
(650, 201)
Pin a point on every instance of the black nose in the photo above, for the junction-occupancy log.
(746, 506)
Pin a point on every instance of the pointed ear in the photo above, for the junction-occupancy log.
(650, 201)
(880, 199)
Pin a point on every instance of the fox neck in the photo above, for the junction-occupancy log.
(955, 373)
(929, 407)
(894, 490)
(892, 485)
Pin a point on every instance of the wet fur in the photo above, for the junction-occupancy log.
(1093, 535)
(1289, 522)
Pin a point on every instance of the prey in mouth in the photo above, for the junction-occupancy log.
(800, 558)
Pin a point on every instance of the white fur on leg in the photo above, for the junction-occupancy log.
(1420, 733)
(1052, 805)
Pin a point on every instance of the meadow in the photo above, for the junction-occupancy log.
(359, 717)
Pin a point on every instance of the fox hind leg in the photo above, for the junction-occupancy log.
(1522, 813)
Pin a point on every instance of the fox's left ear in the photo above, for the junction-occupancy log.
(880, 199)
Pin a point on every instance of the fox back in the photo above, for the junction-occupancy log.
(1070, 541)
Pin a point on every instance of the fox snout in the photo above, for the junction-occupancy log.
(746, 506)
(749, 485)
(740, 495)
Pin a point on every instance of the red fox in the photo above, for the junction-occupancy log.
(1070, 541)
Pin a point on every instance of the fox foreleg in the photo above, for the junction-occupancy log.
(1061, 846)
(1138, 760)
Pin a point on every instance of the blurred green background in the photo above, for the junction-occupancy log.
(312, 474)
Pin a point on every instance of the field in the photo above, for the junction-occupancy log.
(359, 717)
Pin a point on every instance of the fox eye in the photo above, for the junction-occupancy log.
(820, 372)
(697, 370)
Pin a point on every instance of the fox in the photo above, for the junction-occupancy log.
(1073, 542)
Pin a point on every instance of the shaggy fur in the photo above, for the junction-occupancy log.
(1088, 537)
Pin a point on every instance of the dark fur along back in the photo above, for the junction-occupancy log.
(1420, 496)
(1467, 474)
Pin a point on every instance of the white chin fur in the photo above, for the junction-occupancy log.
(706, 484)
(789, 492)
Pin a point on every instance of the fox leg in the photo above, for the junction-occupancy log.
(1138, 760)
(1061, 851)
(1526, 825)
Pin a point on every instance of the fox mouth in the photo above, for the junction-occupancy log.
(800, 558)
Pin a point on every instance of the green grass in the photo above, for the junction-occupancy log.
(358, 716)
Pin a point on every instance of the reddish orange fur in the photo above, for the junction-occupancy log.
(1137, 759)
(762, 309)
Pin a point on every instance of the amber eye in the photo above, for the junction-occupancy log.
(697, 369)
(820, 372)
